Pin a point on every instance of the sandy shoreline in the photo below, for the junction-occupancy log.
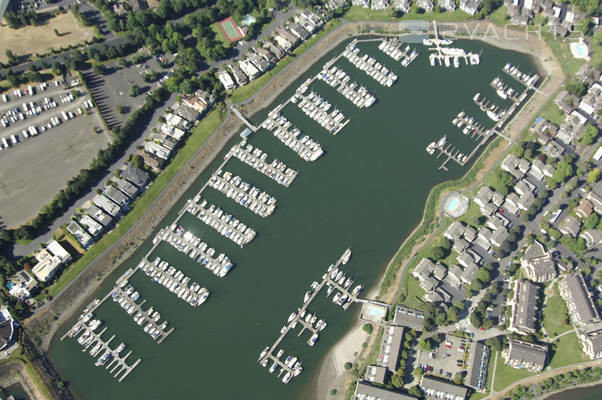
(46, 322)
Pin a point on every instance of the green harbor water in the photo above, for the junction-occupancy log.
(367, 191)
(586, 393)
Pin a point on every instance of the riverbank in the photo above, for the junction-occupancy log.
(332, 376)
(546, 375)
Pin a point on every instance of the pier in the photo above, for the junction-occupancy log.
(338, 79)
(448, 55)
(257, 159)
(100, 349)
(192, 246)
(245, 194)
(369, 65)
(303, 145)
(529, 81)
(316, 108)
(225, 224)
(175, 281)
(335, 280)
(243, 119)
(469, 125)
(123, 296)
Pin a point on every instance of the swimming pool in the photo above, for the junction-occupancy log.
(453, 204)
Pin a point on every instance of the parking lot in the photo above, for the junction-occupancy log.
(33, 110)
(32, 172)
(447, 359)
(113, 88)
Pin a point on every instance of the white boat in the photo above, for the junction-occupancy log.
(264, 363)
(307, 296)
(273, 367)
(427, 42)
(292, 317)
(346, 256)
(280, 353)
(312, 340)
(431, 147)
(264, 352)
(442, 141)
(329, 290)
(286, 378)
(336, 297)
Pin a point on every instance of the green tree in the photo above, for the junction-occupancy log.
(367, 328)
(576, 87)
(415, 391)
(593, 176)
(417, 373)
(348, 365)
(589, 135)
(591, 222)
(437, 253)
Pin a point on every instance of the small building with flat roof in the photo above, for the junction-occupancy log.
(376, 374)
(22, 285)
(366, 391)
(435, 388)
(478, 365)
(408, 317)
(107, 205)
(390, 347)
(524, 308)
(50, 259)
(99, 216)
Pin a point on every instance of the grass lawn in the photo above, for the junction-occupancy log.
(561, 50)
(499, 17)
(243, 93)
(506, 375)
(37, 380)
(596, 43)
(555, 316)
(31, 40)
(198, 137)
(568, 351)
(357, 13)
(552, 113)
(23, 242)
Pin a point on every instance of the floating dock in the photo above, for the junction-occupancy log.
(100, 349)
(291, 137)
(335, 280)
(245, 194)
(192, 246)
(257, 159)
(125, 295)
(225, 224)
(338, 79)
(316, 108)
(469, 125)
(175, 281)
(369, 65)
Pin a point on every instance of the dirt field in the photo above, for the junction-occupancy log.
(40, 39)
(32, 172)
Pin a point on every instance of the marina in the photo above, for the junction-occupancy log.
(326, 210)
(97, 347)
(469, 125)
(391, 48)
(291, 137)
(448, 56)
(316, 108)
(245, 194)
(192, 246)
(335, 280)
(225, 224)
(338, 79)
(125, 295)
(175, 281)
(257, 159)
(369, 65)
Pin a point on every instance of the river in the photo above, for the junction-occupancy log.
(367, 191)
(585, 393)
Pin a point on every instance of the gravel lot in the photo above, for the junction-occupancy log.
(31, 172)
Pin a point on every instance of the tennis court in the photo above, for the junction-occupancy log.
(230, 30)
